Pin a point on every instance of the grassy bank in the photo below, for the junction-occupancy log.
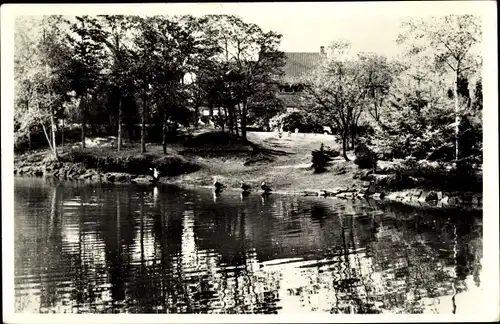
(284, 163)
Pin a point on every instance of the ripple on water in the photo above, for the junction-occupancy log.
(108, 250)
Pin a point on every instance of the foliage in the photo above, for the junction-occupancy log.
(379, 74)
(106, 161)
(111, 69)
(40, 63)
(250, 65)
(418, 119)
(447, 44)
(162, 70)
(320, 159)
(215, 139)
(337, 91)
(289, 121)
(365, 158)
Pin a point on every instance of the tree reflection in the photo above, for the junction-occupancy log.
(103, 249)
(405, 255)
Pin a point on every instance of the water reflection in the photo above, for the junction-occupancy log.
(105, 249)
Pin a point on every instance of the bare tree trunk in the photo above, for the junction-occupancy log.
(83, 120)
(53, 126)
(119, 143)
(29, 128)
(196, 116)
(83, 133)
(221, 119)
(345, 136)
(231, 119)
(164, 130)
(243, 117)
(236, 128)
(143, 124)
(238, 114)
(457, 116)
(62, 136)
(353, 138)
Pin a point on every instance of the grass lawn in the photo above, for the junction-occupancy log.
(284, 163)
(289, 170)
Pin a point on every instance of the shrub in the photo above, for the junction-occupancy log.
(365, 158)
(295, 119)
(214, 139)
(172, 165)
(330, 152)
(396, 181)
(169, 165)
(205, 119)
(108, 162)
(320, 159)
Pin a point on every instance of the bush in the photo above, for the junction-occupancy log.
(332, 153)
(205, 119)
(396, 181)
(215, 139)
(172, 165)
(295, 119)
(169, 165)
(110, 163)
(320, 158)
(365, 158)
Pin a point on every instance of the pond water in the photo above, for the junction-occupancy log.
(83, 248)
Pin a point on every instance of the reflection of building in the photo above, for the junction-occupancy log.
(297, 65)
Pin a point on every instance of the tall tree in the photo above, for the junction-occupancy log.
(39, 67)
(452, 41)
(118, 46)
(86, 40)
(379, 74)
(251, 60)
(337, 91)
(145, 43)
(176, 49)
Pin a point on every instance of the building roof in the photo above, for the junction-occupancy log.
(291, 100)
(298, 63)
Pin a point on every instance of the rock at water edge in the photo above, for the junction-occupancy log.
(431, 196)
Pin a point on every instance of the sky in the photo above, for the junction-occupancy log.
(305, 26)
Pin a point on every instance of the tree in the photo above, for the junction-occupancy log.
(452, 42)
(118, 46)
(250, 60)
(477, 104)
(415, 117)
(337, 91)
(145, 42)
(379, 75)
(86, 42)
(263, 105)
(178, 51)
(39, 67)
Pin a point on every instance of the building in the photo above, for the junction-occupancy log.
(297, 65)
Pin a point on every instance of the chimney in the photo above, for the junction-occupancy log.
(322, 50)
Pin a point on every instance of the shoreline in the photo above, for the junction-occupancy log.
(418, 196)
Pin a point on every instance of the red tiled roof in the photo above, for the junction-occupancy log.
(298, 63)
